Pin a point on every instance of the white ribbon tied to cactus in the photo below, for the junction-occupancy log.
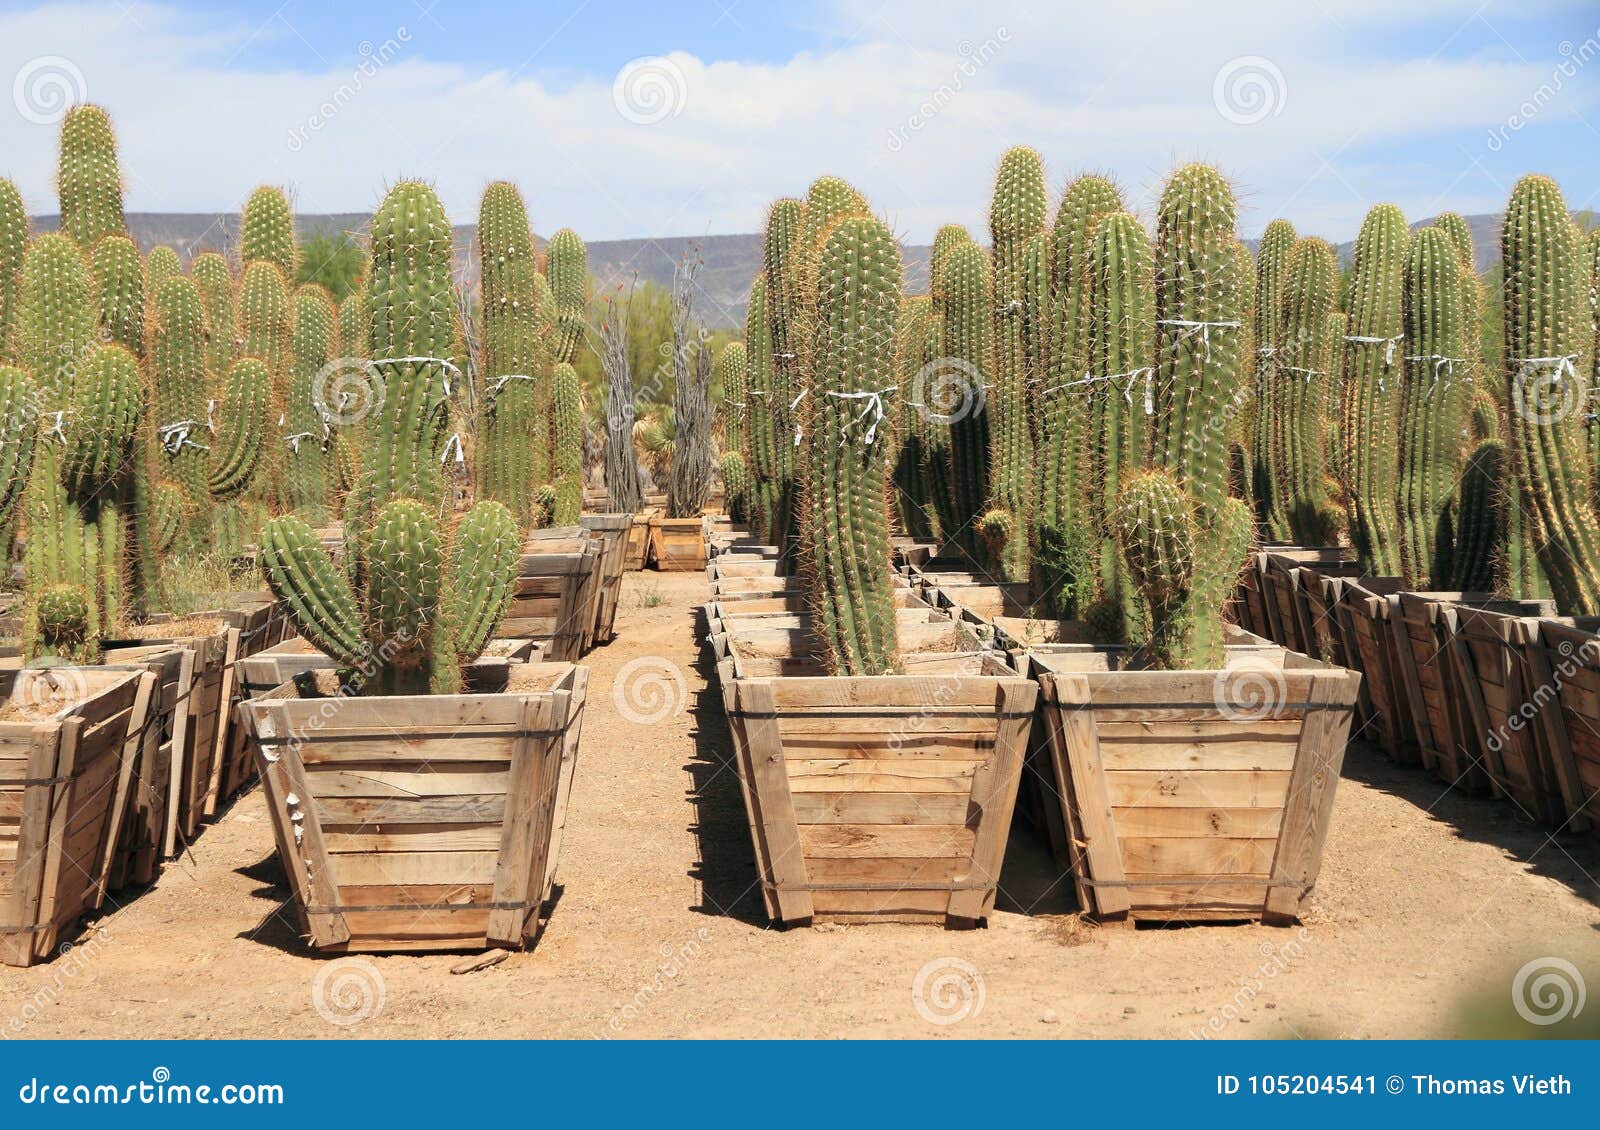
(874, 409)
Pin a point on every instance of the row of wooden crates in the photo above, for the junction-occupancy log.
(106, 771)
(1491, 696)
(1169, 795)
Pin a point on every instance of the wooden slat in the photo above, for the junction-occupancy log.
(994, 796)
(520, 837)
(1198, 789)
(447, 779)
(1310, 801)
(880, 807)
(1169, 755)
(415, 868)
(1199, 856)
(784, 864)
(1086, 803)
(857, 841)
(1236, 823)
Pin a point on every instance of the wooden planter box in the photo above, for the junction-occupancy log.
(638, 549)
(555, 600)
(1564, 659)
(576, 539)
(141, 840)
(1251, 606)
(487, 674)
(1178, 808)
(612, 532)
(1373, 642)
(883, 798)
(199, 783)
(421, 822)
(677, 544)
(1449, 743)
(66, 767)
(1287, 617)
(1502, 702)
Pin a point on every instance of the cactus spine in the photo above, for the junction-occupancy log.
(89, 177)
(1547, 387)
(855, 293)
(566, 397)
(414, 608)
(514, 355)
(1371, 385)
(1430, 448)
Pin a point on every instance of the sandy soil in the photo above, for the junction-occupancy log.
(659, 931)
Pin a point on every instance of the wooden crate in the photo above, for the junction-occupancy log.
(1564, 660)
(638, 543)
(612, 531)
(555, 600)
(677, 544)
(576, 539)
(136, 860)
(1500, 698)
(883, 798)
(1373, 640)
(1448, 741)
(66, 768)
(196, 787)
(1180, 807)
(423, 822)
(1252, 601)
(487, 674)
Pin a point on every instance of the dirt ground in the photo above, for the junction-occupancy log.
(1425, 897)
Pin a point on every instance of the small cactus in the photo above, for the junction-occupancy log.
(161, 264)
(214, 281)
(266, 231)
(567, 409)
(567, 268)
(732, 373)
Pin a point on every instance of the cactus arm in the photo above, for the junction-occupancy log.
(319, 600)
(483, 575)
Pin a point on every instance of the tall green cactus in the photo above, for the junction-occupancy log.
(19, 433)
(1242, 460)
(177, 345)
(414, 608)
(764, 437)
(13, 243)
(1303, 384)
(1017, 217)
(88, 177)
(913, 505)
(965, 368)
(855, 292)
(120, 281)
(566, 396)
(161, 264)
(1474, 296)
(1119, 409)
(1481, 500)
(781, 255)
(515, 355)
(266, 332)
(1591, 255)
(567, 268)
(213, 279)
(266, 231)
(1269, 468)
(732, 375)
(309, 425)
(1066, 540)
(1430, 442)
(1547, 388)
(1370, 383)
(354, 328)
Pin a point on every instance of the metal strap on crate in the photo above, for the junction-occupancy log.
(527, 904)
(865, 886)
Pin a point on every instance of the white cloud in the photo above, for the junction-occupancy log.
(1127, 89)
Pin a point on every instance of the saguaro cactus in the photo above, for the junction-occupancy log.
(567, 268)
(161, 264)
(1370, 384)
(1269, 467)
(13, 242)
(855, 292)
(419, 604)
(309, 424)
(731, 374)
(1547, 388)
(913, 503)
(1016, 216)
(567, 408)
(515, 356)
(965, 368)
(88, 177)
(176, 354)
(120, 281)
(266, 231)
(764, 438)
(214, 281)
(781, 252)
(1302, 379)
(1430, 449)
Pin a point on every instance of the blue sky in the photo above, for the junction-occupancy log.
(624, 119)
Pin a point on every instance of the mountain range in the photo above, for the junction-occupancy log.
(729, 262)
